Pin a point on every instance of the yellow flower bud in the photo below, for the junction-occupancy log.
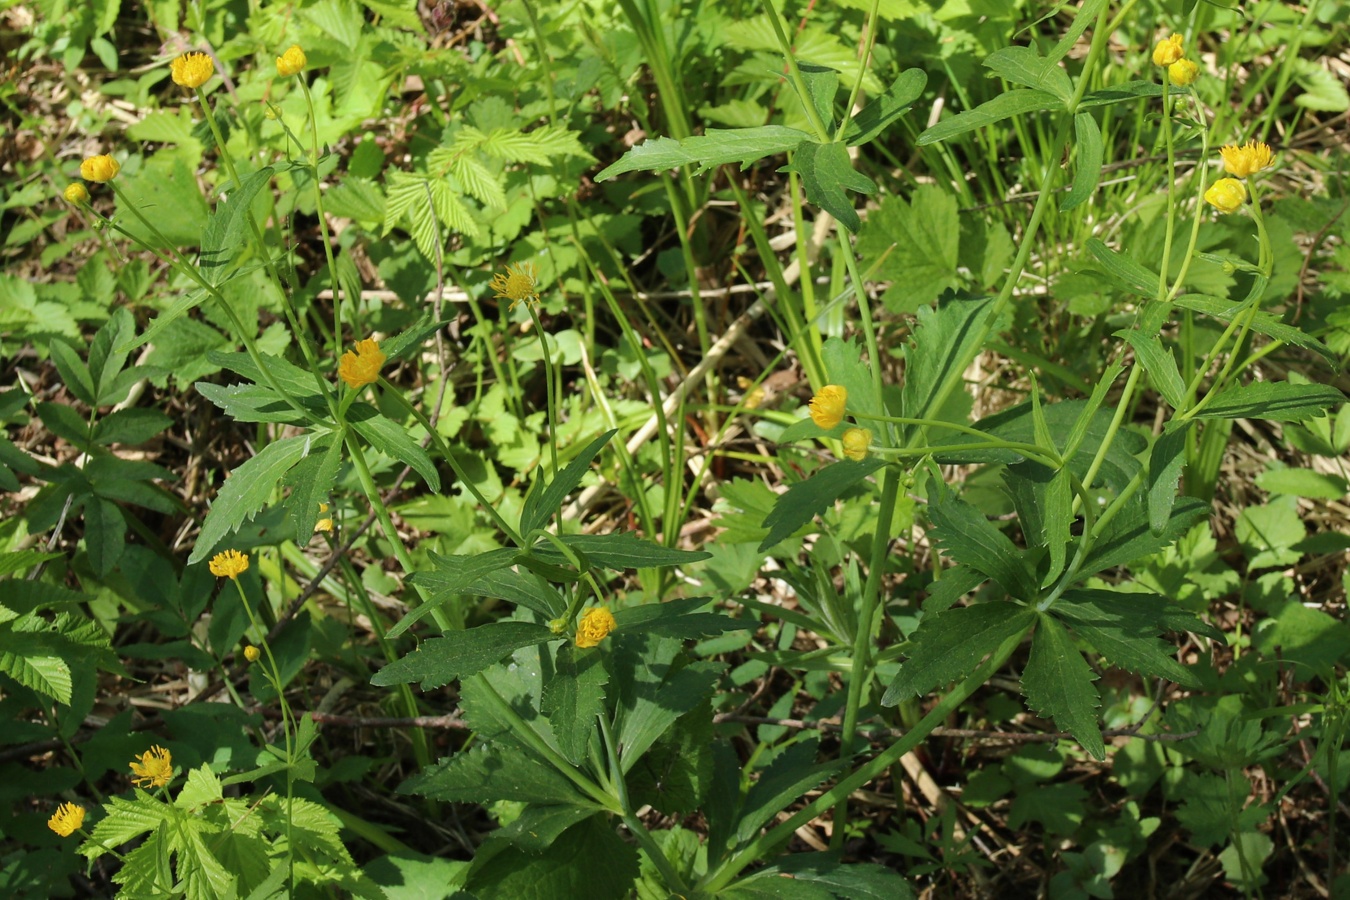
(827, 406)
(1226, 195)
(1248, 159)
(361, 367)
(99, 168)
(856, 441)
(251, 653)
(292, 62)
(1168, 51)
(1183, 72)
(594, 625)
(77, 193)
(192, 70)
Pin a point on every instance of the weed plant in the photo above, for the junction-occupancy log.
(874, 449)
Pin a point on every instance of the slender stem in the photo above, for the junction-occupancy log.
(550, 388)
(795, 73)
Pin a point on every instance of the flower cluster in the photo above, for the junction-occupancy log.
(1171, 55)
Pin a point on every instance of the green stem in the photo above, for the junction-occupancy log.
(795, 73)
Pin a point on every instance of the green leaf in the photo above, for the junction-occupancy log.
(1058, 683)
(915, 246)
(1123, 93)
(674, 619)
(844, 366)
(105, 534)
(975, 542)
(544, 500)
(1261, 322)
(1323, 90)
(1123, 271)
(1303, 483)
(409, 341)
(392, 440)
(124, 821)
(202, 788)
(823, 871)
(439, 661)
(828, 174)
(951, 644)
(822, 83)
(1005, 105)
(589, 860)
(622, 550)
(64, 422)
(955, 583)
(675, 776)
(33, 668)
(944, 338)
(792, 773)
(24, 559)
(876, 116)
(574, 698)
(805, 500)
(1088, 163)
(311, 480)
(1129, 540)
(299, 383)
(653, 693)
(1282, 401)
(1124, 626)
(1026, 66)
(227, 229)
(497, 771)
(245, 492)
(259, 403)
(1085, 16)
(451, 576)
(1165, 462)
(714, 148)
(74, 373)
(130, 426)
(1160, 365)
(1270, 534)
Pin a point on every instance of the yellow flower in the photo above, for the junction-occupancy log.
(228, 564)
(99, 168)
(1226, 195)
(856, 441)
(517, 283)
(77, 193)
(1168, 51)
(292, 62)
(594, 625)
(326, 523)
(67, 819)
(251, 653)
(1248, 159)
(1183, 72)
(361, 367)
(827, 406)
(154, 769)
(192, 70)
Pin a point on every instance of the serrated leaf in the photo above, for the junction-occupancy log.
(64, 422)
(1165, 462)
(311, 480)
(821, 83)
(655, 694)
(1010, 103)
(573, 699)
(499, 771)
(622, 550)
(124, 821)
(226, 229)
(828, 174)
(1128, 539)
(74, 373)
(1160, 365)
(48, 675)
(201, 788)
(25, 559)
(564, 871)
(955, 583)
(823, 871)
(1088, 151)
(1261, 322)
(1058, 683)
(952, 643)
(876, 116)
(257, 403)
(130, 426)
(1124, 626)
(1303, 483)
(1282, 401)
(450, 576)
(1126, 92)
(716, 147)
(805, 500)
(438, 661)
(105, 534)
(792, 773)
(674, 619)
(392, 440)
(943, 338)
(844, 366)
(975, 542)
(543, 500)
(245, 492)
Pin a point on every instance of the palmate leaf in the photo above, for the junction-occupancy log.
(246, 491)
(439, 661)
(542, 146)
(952, 643)
(716, 147)
(1058, 683)
(588, 860)
(1026, 66)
